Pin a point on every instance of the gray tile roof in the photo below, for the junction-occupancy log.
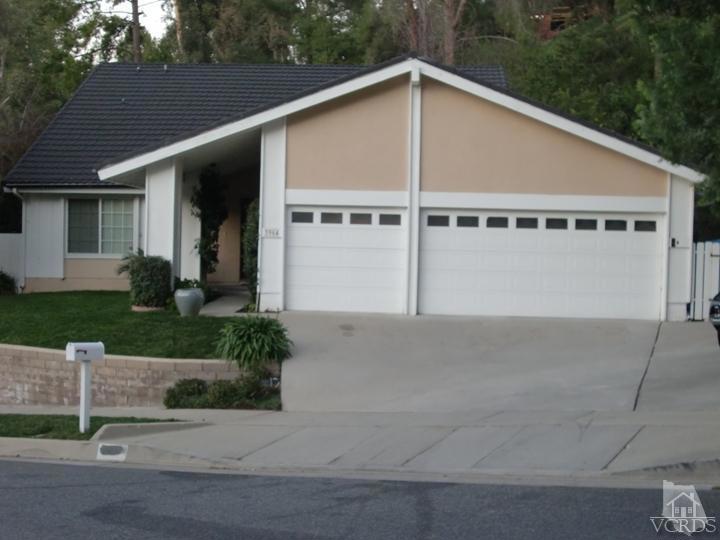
(122, 109)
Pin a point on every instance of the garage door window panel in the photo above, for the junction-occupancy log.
(645, 226)
(585, 224)
(360, 219)
(497, 222)
(526, 223)
(615, 225)
(332, 218)
(390, 219)
(301, 217)
(557, 224)
(468, 221)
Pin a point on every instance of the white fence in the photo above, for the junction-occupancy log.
(12, 256)
(705, 278)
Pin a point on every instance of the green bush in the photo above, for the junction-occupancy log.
(253, 342)
(250, 247)
(187, 394)
(228, 395)
(7, 284)
(250, 392)
(150, 279)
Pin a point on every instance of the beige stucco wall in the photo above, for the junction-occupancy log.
(82, 275)
(472, 145)
(357, 142)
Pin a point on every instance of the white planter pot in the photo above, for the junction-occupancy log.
(189, 301)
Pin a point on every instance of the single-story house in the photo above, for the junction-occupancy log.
(405, 187)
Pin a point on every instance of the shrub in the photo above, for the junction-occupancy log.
(253, 342)
(250, 247)
(7, 284)
(187, 394)
(149, 279)
(228, 395)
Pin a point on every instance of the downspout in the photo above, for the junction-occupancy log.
(24, 235)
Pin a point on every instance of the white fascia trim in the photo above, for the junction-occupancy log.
(562, 203)
(94, 191)
(560, 122)
(342, 197)
(207, 137)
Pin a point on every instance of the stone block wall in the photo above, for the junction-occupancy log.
(34, 376)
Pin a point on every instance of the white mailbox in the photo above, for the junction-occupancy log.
(85, 353)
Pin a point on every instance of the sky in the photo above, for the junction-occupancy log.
(151, 14)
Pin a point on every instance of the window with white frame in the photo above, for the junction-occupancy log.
(100, 226)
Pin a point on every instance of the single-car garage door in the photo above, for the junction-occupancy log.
(540, 264)
(341, 259)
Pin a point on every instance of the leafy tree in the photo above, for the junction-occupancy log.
(253, 31)
(209, 206)
(44, 55)
(590, 70)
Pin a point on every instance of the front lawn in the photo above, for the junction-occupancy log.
(53, 319)
(59, 426)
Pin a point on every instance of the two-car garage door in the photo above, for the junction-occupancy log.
(540, 264)
(478, 262)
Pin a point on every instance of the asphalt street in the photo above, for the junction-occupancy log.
(48, 501)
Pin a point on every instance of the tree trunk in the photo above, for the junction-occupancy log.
(178, 28)
(136, 31)
(452, 14)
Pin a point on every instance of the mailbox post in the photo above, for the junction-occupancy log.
(85, 353)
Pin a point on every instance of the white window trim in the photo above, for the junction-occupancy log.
(99, 255)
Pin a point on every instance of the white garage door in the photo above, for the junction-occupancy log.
(540, 264)
(340, 259)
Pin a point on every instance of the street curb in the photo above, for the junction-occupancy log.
(702, 474)
(117, 431)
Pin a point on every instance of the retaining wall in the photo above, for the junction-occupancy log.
(34, 376)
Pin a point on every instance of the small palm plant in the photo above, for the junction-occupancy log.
(253, 342)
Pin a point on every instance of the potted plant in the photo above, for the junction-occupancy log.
(149, 280)
(189, 297)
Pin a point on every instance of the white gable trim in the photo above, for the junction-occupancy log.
(358, 83)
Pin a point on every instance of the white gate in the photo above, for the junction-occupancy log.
(705, 278)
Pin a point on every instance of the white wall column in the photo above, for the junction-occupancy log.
(680, 243)
(413, 213)
(271, 248)
(163, 185)
(189, 230)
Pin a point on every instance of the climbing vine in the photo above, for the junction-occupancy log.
(208, 205)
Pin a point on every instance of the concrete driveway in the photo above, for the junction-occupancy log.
(374, 363)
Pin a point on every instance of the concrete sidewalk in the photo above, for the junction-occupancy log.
(480, 442)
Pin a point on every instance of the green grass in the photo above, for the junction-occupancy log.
(53, 319)
(58, 426)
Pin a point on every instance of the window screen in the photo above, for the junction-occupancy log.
(468, 221)
(83, 230)
(438, 221)
(389, 219)
(497, 222)
(117, 226)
